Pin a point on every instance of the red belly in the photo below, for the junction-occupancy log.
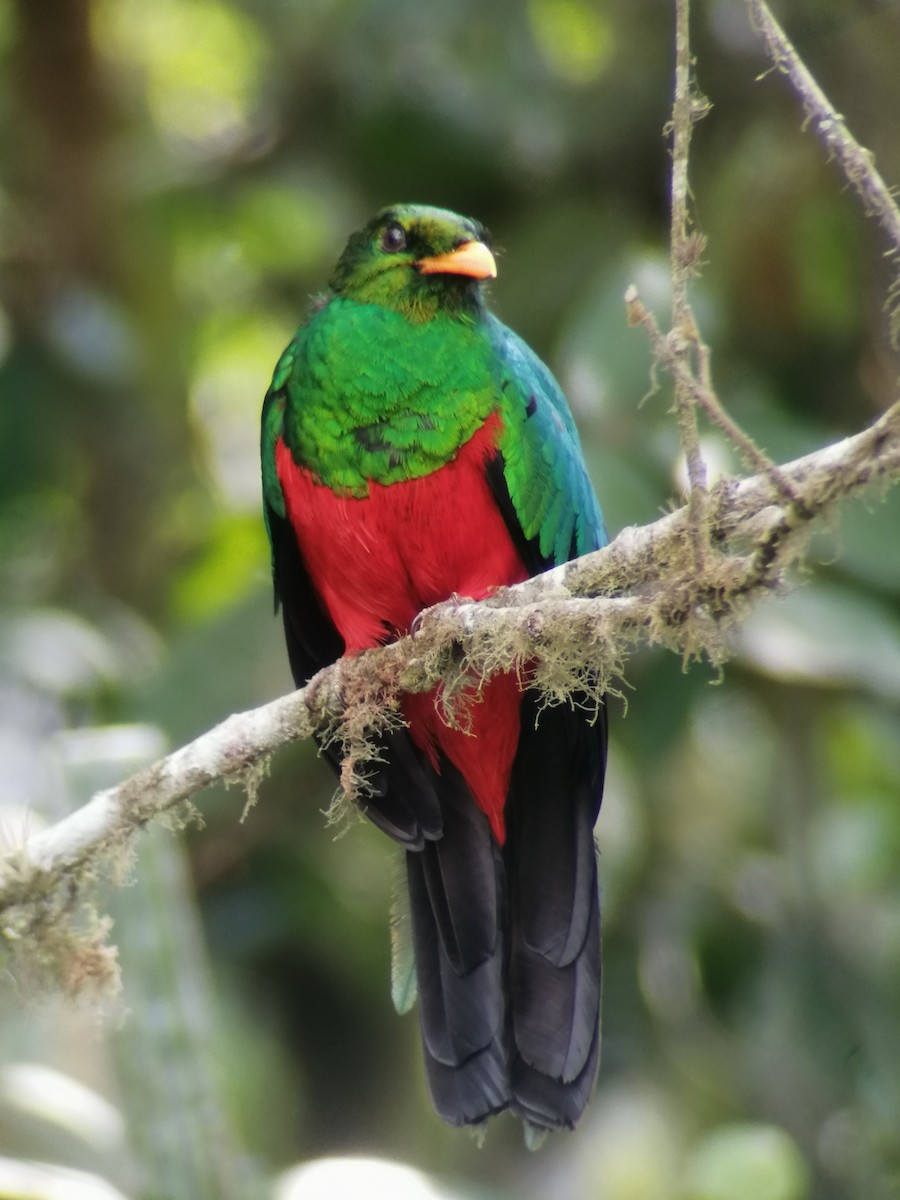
(377, 561)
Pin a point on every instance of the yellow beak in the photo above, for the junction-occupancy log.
(471, 258)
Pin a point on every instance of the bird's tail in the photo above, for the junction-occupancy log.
(554, 915)
(507, 940)
(457, 902)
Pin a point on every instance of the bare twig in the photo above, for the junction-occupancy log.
(856, 162)
(701, 391)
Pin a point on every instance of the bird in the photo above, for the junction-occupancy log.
(414, 450)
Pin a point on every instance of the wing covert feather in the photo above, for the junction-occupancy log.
(543, 467)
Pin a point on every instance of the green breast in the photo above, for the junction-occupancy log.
(372, 395)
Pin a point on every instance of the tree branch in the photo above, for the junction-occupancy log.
(856, 162)
(683, 251)
(575, 623)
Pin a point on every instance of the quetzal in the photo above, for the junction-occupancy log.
(414, 448)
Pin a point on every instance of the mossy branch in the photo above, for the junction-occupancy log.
(576, 624)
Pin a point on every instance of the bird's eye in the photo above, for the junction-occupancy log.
(393, 240)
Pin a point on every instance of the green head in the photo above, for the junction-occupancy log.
(417, 261)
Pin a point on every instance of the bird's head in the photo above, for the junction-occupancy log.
(418, 261)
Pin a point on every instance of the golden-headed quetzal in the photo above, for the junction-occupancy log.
(414, 448)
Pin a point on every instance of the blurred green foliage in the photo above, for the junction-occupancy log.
(176, 179)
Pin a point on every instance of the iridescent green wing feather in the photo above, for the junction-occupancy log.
(543, 467)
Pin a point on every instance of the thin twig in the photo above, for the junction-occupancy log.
(701, 391)
(683, 252)
(856, 162)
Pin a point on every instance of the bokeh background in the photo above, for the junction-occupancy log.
(176, 179)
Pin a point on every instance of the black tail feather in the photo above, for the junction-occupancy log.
(472, 1091)
(548, 1102)
(507, 942)
(554, 952)
(463, 874)
(555, 1009)
(456, 888)
(402, 797)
